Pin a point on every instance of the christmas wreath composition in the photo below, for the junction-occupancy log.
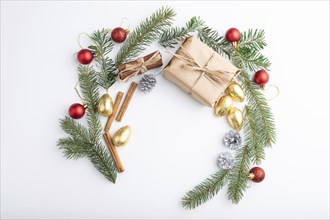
(216, 70)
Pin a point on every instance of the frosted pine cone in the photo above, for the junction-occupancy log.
(147, 83)
(233, 140)
(226, 161)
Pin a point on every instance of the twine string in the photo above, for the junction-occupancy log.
(79, 36)
(213, 76)
(139, 66)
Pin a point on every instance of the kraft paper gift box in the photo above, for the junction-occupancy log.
(200, 71)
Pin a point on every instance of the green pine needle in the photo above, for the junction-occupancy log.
(172, 36)
(88, 85)
(247, 54)
(103, 45)
(253, 39)
(82, 141)
(238, 176)
(249, 58)
(74, 129)
(206, 190)
(214, 40)
(148, 31)
(263, 116)
(73, 147)
(252, 136)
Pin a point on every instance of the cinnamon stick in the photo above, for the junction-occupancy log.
(113, 152)
(114, 112)
(126, 102)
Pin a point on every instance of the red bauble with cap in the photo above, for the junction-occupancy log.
(118, 35)
(257, 174)
(233, 35)
(76, 111)
(261, 77)
(85, 56)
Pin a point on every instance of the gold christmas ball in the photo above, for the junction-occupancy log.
(235, 118)
(121, 137)
(105, 106)
(223, 105)
(236, 92)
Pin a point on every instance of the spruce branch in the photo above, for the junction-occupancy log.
(103, 45)
(238, 176)
(250, 58)
(172, 36)
(252, 136)
(82, 141)
(103, 162)
(148, 31)
(247, 54)
(72, 147)
(214, 40)
(79, 145)
(253, 39)
(263, 116)
(88, 85)
(206, 190)
(74, 129)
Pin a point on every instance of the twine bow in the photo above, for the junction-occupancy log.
(214, 76)
(138, 66)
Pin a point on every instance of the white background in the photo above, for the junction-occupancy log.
(175, 140)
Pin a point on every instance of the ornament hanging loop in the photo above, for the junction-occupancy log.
(80, 97)
(79, 36)
(277, 91)
(127, 22)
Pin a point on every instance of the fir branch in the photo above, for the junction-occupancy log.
(238, 176)
(78, 145)
(206, 190)
(148, 31)
(247, 53)
(103, 162)
(172, 36)
(213, 39)
(72, 147)
(84, 141)
(74, 129)
(263, 117)
(88, 86)
(253, 39)
(106, 76)
(245, 57)
(252, 136)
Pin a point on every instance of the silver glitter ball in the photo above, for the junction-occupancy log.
(226, 161)
(233, 140)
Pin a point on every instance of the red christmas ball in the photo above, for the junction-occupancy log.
(261, 77)
(118, 35)
(257, 174)
(85, 56)
(233, 35)
(76, 111)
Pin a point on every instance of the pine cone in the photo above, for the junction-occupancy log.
(147, 83)
(226, 161)
(233, 140)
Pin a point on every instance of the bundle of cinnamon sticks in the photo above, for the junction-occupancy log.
(139, 66)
